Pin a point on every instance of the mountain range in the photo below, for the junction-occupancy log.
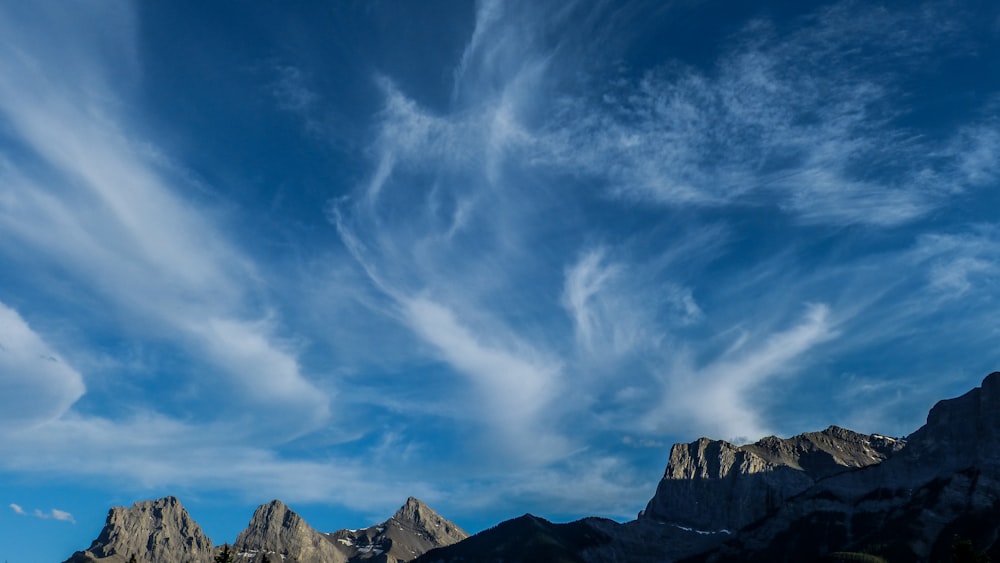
(161, 531)
(832, 495)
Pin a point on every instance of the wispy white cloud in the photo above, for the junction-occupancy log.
(516, 385)
(35, 384)
(797, 119)
(98, 203)
(62, 515)
(54, 514)
(721, 397)
(614, 313)
(202, 457)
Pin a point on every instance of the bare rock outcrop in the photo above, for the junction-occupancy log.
(712, 485)
(157, 531)
(280, 533)
(412, 531)
(945, 482)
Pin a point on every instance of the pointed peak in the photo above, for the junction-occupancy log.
(414, 510)
(274, 510)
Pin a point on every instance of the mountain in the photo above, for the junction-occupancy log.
(833, 495)
(943, 487)
(159, 531)
(412, 531)
(275, 530)
(713, 485)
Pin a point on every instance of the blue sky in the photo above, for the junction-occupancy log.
(498, 256)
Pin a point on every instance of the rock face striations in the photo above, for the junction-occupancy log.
(712, 485)
(159, 531)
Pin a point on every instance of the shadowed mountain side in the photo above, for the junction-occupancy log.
(829, 495)
(818, 496)
(909, 508)
(713, 485)
(530, 539)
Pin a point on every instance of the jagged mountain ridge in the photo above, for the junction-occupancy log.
(946, 481)
(158, 531)
(722, 486)
(161, 531)
(824, 492)
(412, 531)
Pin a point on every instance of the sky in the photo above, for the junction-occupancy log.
(497, 255)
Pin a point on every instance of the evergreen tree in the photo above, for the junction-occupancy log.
(225, 556)
(132, 559)
(265, 559)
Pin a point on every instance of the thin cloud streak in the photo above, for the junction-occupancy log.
(108, 213)
(721, 398)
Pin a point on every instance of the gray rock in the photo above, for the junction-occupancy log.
(712, 485)
(412, 531)
(908, 508)
(161, 531)
(157, 531)
(282, 534)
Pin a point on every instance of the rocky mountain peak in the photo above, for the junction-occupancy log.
(158, 531)
(713, 485)
(412, 531)
(276, 529)
(417, 517)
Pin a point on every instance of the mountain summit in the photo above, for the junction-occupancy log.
(275, 529)
(712, 485)
(412, 531)
(157, 531)
(161, 531)
(832, 495)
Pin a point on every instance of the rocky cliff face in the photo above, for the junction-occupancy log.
(909, 508)
(159, 531)
(712, 485)
(797, 499)
(282, 534)
(412, 531)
